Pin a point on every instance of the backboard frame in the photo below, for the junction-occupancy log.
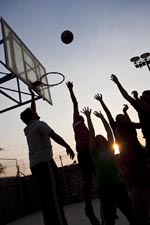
(14, 74)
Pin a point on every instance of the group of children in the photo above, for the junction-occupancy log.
(118, 186)
(95, 154)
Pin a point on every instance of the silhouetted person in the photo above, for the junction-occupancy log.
(142, 191)
(84, 158)
(113, 122)
(42, 165)
(131, 151)
(141, 106)
(111, 189)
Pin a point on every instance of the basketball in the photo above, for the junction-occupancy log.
(67, 37)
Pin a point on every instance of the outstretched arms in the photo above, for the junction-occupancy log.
(33, 105)
(136, 125)
(143, 104)
(59, 140)
(99, 97)
(121, 89)
(106, 126)
(87, 113)
(125, 109)
(73, 98)
(135, 95)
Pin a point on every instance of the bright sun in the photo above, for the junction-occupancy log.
(116, 147)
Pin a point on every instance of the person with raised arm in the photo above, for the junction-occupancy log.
(33, 105)
(42, 164)
(81, 133)
(141, 193)
(111, 189)
(113, 122)
(142, 106)
(131, 150)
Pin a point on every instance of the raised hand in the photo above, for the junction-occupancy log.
(70, 152)
(98, 114)
(135, 94)
(86, 111)
(69, 85)
(114, 78)
(98, 97)
(125, 108)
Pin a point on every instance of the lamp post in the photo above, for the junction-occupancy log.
(142, 60)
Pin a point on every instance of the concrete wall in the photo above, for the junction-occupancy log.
(19, 195)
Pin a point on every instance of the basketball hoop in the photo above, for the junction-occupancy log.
(40, 82)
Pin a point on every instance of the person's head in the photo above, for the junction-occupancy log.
(145, 96)
(101, 142)
(120, 117)
(28, 114)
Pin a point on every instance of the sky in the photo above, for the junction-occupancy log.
(107, 33)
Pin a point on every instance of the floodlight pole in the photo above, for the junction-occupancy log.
(147, 64)
(142, 60)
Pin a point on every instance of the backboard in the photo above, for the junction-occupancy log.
(22, 62)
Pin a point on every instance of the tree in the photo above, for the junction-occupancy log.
(2, 169)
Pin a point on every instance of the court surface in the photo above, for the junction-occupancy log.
(74, 213)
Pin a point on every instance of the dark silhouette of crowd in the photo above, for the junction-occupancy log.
(123, 179)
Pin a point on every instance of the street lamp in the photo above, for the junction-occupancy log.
(140, 61)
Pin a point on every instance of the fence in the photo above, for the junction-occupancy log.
(19, 195)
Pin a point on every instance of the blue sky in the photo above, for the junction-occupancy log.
(106, 35)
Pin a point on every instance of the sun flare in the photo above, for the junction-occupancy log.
(116, 147)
